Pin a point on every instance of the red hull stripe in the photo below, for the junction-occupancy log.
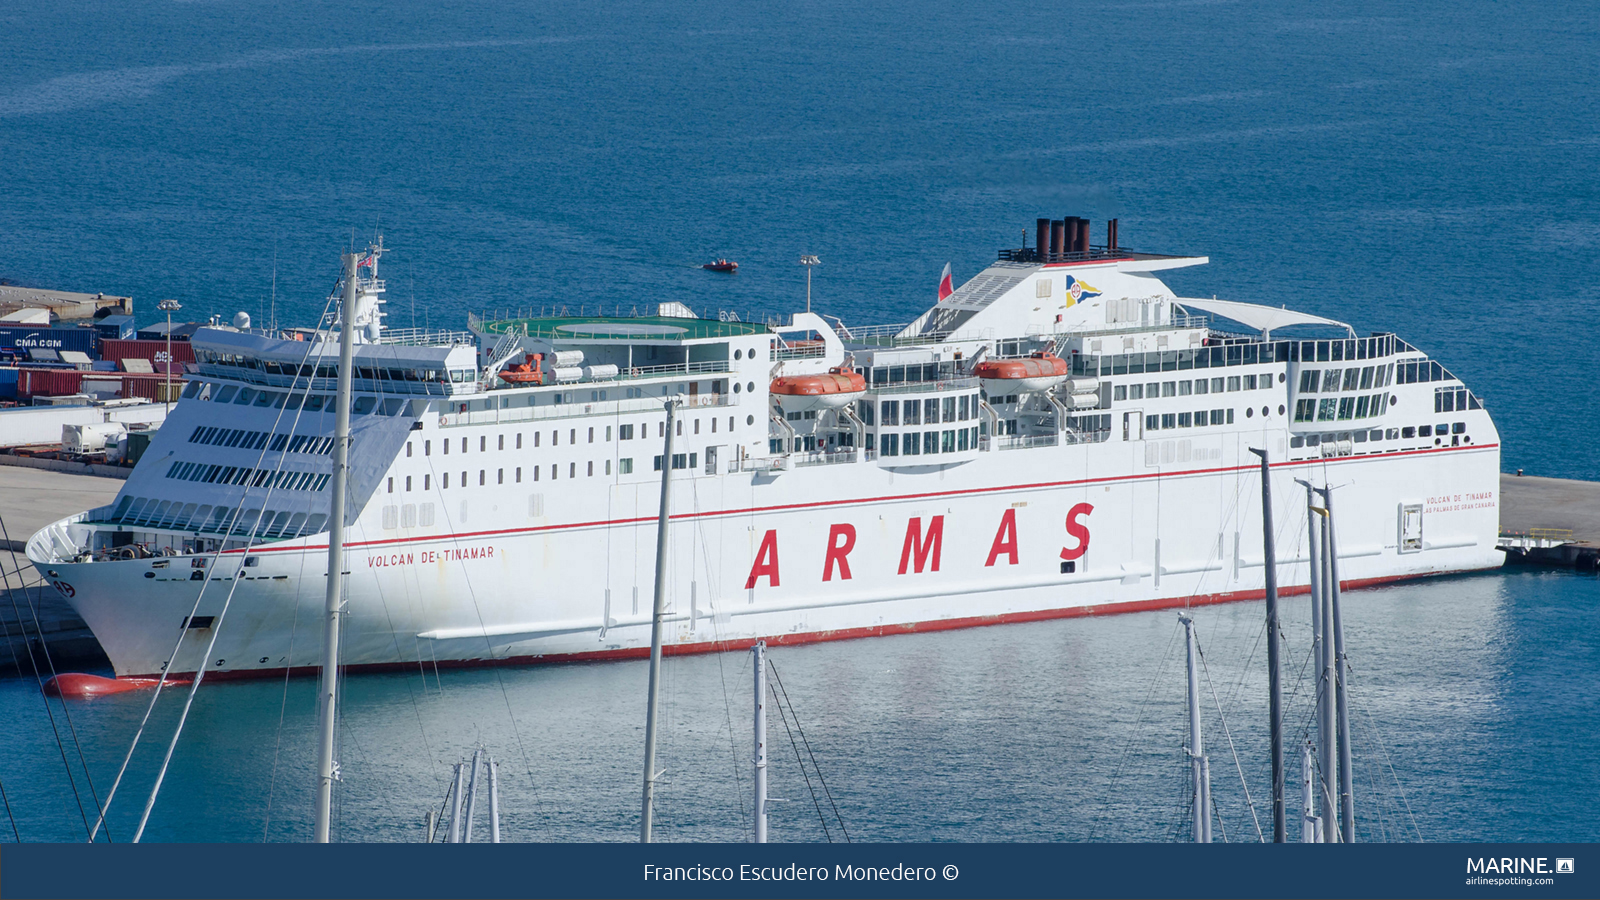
(820, 504)
(842, 634)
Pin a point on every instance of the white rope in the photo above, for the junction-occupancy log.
(1231, 748)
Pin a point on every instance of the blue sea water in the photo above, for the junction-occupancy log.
(1426, 169)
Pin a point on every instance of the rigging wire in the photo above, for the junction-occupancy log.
(14, 833)
(1378, 739)
(798, 761)
(713, 598)
(801, 729)
(216, 630)
(1127, 747)
(1250, 804)
(39, 681)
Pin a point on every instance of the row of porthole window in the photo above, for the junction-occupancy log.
(625, 432)
(623, 467)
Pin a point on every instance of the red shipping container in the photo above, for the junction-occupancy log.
(155, 352)
(48, 382)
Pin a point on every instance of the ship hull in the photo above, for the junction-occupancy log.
(1010, 536)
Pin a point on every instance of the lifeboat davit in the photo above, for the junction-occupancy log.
(798, 393)
(1029, 373)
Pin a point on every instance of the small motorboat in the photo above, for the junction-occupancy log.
(721, 265)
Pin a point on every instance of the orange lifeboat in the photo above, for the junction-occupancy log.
(1029, 373)
(525, 372)
(798, 393)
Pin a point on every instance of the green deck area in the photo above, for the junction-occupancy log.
(625, 328)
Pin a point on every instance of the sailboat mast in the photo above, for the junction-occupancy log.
(1199, 766)
(758, 659)
(328, 691)
(1347, 808)
(1318, 637)
(1274, 676)
(655, 630)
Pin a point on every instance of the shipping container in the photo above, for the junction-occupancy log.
(154, 352)
(115, 327)
(17, 340)
(39, 382)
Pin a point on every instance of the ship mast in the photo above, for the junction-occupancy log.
(660, 613)
(1274, 678)
(327, 769)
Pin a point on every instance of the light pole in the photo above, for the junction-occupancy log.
(808, 261)
(169, 307)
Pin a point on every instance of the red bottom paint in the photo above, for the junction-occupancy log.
(78, 686)
(844, 634)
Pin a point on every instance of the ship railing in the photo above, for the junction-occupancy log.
(1034, 255)
(1018, 441)
(925, 387)
(694, 368)
(1098, 436)
(426, 337)
(760, 464)
(826, 458)
(801, 351)
(1536, 538)
(578, 410)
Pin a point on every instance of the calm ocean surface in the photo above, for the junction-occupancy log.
(1428, 170)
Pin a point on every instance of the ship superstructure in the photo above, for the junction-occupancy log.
(1060, 435)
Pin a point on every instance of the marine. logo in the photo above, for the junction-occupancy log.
(1080, 291)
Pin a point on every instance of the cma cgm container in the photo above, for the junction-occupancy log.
(17, 340)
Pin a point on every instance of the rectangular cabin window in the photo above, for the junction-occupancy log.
(572, 436)
(1249, 382)
(572, 470)
(591, 434)
(1330, 380)
(1308, 382)
(502, 442)
(391, 490)
(427, 448)
(446, 444)
(661, 427)
(1352, 378)
(408, 449)
(483, 443)
(949, 404)
(446, 483)
(519, 440)
(463, 445)
(964, 412)
(1119, 392)
(889, 412)
(1185, 388)
(625, 466)
(408, 484)
(425, 480)
(911, 412)
(608, 434)
(1233, 383)
(1152, 423)
(482, 476)
(625, 432)
(1169, 389)
(1185, 420)
(591, 468)
(913, 445)
(536, 473)
(891, 444)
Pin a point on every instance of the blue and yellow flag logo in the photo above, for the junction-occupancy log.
(1079, 291)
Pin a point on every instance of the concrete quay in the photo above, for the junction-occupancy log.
(33, 616)
(1550, 521)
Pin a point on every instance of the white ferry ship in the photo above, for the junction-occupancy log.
(1062, 435)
